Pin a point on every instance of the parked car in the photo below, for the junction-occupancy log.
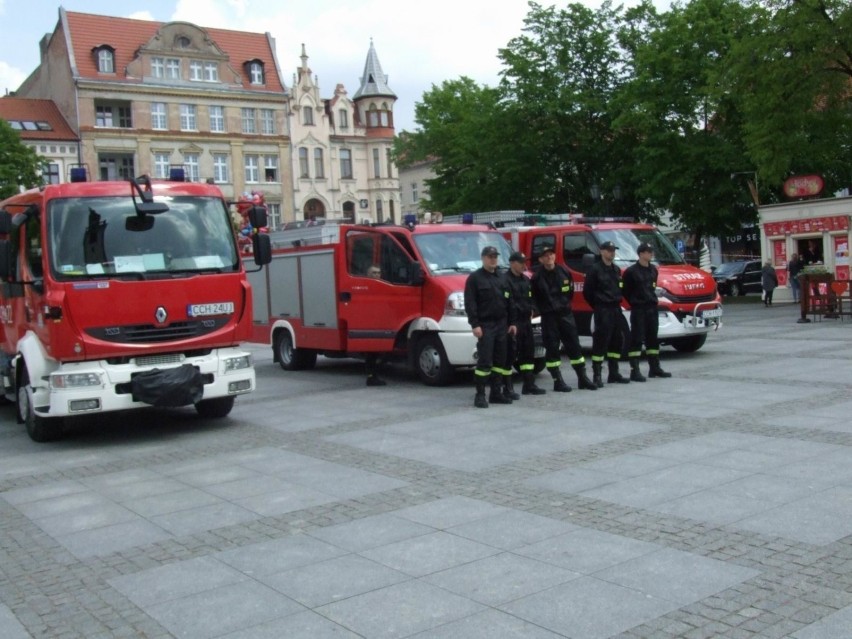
(738, 278)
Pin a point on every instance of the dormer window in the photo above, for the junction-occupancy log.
(255, 72)
(182, 42)
(105, 58)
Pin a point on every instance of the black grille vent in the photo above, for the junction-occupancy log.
(150, 334)
(691, 299)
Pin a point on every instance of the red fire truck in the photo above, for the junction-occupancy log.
(121, 295)
(319, 298)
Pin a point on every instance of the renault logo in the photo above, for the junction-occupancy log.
(161, 315)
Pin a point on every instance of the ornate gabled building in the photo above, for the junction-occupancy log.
(341, 148)
(146, 97)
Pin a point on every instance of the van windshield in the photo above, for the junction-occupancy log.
(97, 236)
(459, 251)
(628, 240)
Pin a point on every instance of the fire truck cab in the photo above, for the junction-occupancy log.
(320, 297)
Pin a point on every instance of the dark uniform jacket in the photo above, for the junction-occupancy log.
(521, 295)
(553, 290)
(640, 283)
(602, 287)
(486, 297)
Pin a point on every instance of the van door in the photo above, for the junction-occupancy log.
(378, 294)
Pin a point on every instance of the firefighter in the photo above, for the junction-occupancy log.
(522, 347)
(491, 317)
(553, 288)
(371, 361)
(602, 291)
(640, 284)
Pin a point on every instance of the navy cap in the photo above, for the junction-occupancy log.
(609, 246)
(517, 256)
(644, 247)
(490, 250)
(547, 249)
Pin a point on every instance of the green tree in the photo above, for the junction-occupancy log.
(19, 164)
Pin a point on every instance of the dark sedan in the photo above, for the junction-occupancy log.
(738, 278)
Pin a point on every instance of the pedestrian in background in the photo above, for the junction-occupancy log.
(553, 289)
(769, 280)
(640, 290)
(371, 360)
(522, 345)
(602, 290)
(487, 304)
(794, 268)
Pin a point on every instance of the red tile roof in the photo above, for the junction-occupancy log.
(29, 110)
(126, 35)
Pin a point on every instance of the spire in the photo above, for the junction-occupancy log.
(374, 82)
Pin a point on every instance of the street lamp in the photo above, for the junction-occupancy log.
(752, 185)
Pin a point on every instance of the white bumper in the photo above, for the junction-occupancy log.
(696, 323)
(113, 394)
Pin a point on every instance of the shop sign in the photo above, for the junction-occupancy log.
(812, 225)
(800, 186)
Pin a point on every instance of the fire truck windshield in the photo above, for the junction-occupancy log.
(94, 237)
(628, 240)
(459, 251)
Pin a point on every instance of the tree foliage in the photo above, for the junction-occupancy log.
(19, 164)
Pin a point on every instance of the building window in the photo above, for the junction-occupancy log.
(270, 168)
(182, 42)
(221, 174)
(377, 165)
(414, 196)
(304, 170)
(195, 71)
(248, 121)
(158, 68)
(267, 122)
(106, 60)
(343, 118)
(379, 217)
(161, 165)
(188, 121)
(346, 164)
(111, 116)
(158, 116)
(211, 72)
(173, 68)
(50, 173)
(307, 115)
(252, 167)
(273, 212)
(389, 160)
(115, 167)
(217, 119)
(190, 165)
(319, 171)
(256, 73)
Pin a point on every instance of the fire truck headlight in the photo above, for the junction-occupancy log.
(238, 363)
(75, 380)
(455, 304)
(663, 295)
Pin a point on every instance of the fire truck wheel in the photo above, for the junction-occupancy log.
(431, 363)
(38, 428)
(215, 408)
(689, 344)
(291, 358)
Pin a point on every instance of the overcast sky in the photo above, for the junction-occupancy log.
(420, 43)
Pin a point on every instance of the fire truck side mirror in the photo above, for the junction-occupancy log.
(257, 217)
(261, 245)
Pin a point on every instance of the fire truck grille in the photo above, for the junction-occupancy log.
(149, 334)
(691, 299)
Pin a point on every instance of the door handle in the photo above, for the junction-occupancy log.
(345, 296)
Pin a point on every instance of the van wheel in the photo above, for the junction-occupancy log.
(689, 344)
(291, 358)
(40, 429)
(430, 361)
(215, 408)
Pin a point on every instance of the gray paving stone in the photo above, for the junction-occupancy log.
(270, 557)
(371, 532)
(511, 529)
(425, 554)
(10, 628)
(301, 625)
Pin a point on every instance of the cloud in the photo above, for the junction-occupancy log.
(10, 77)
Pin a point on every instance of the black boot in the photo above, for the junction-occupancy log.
(529, 387)
(370, 366)
(583, 382)
(635, 374)
(614, 376)
(375, 380)
(654, 369)
(496, 396)
(509, 389)
(559, 384)
(479, 400)
(597, 376)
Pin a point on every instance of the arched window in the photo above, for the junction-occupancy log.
(304, 168)
(319, 170)
(105, 60)
(307, 115)
(255, 69)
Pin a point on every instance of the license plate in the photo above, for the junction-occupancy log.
(711, 313)
(214, 308)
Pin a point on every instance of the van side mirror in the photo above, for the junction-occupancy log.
(257, 217)
(261, 245)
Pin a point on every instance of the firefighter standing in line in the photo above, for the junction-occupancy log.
(602, 291)
(553, 288)
(522, 346)
(490, 315)
(640, 284)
